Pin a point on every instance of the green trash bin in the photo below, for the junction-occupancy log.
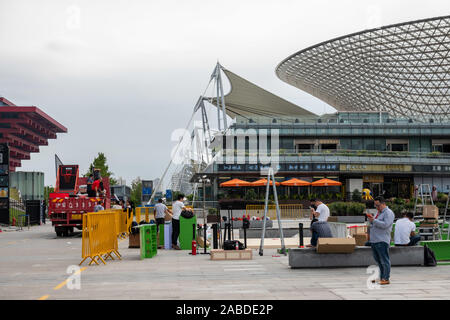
(186, 232)
(147, 233)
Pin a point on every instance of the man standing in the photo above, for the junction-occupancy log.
(380, 238)
(89, 183)
(177, 207)
(160, 213)
(405, 228)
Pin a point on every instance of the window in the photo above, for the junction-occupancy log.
(328, 146)
(304, 147)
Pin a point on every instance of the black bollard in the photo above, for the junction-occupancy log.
(215, 244)
(300, 233)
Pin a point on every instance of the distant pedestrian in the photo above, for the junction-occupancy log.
(98, 207)
(434, 194)
(160, 212)
(116, 205)
(380, 238)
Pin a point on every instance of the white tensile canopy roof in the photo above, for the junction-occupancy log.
(247, 99)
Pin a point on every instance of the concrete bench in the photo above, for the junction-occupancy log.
(361, 257)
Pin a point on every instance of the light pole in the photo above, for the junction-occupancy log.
(204, 180)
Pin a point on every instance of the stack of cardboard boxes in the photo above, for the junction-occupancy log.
(430, 216)
(360, 234)
(336, 245)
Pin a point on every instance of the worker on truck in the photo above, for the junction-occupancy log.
(89, 182)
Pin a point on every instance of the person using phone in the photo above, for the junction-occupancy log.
(319, 213)
(380, 238)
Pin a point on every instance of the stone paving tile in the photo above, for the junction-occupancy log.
(32, 268)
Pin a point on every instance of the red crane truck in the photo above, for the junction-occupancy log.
(67, 204)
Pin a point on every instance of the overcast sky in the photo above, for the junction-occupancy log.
(123, 75)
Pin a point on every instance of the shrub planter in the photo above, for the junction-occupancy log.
(347, 219)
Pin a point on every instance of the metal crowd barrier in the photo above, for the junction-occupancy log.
(101, 231)
(287, 211)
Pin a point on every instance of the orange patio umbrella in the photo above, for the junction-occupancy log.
(326, 183)
(262, 183)
(235, 183)
(295, 183)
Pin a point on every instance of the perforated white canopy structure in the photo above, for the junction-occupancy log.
(403, 69)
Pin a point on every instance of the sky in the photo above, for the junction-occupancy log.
(123, 75)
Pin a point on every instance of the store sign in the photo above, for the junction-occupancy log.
(373, 178)
(325, 167)
(297, 167)
(437, 168)
(290, 167)
(376, 167)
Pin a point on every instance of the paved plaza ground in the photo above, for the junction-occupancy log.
(34, 263)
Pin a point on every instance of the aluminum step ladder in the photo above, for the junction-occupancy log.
(444, 219)
(425, 195)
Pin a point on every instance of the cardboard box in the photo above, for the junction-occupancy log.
(201, 243)
(430, 211)
(360, 238)
(332, 219)
(336, 245)
(357, 230)
(133, 241)
(220, 254)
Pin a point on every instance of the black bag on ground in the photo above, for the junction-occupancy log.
(231, 245)
(187, 214)
(429, 257)
(134, 230)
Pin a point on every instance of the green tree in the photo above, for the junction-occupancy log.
(47, 191)
(100, 163)
(136, 191)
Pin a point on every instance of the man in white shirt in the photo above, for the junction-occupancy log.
(321, 212)
(177, 207)
(405, 228)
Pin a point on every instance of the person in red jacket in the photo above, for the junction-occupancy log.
(96, 187)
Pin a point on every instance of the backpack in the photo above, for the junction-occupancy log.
(231, 245)
(134, 230)
(429, 257)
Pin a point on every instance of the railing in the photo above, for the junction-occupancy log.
(149, 213)
(336, 153)
(287, 211)
(100, 234)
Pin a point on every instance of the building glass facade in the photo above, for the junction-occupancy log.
(361, 149)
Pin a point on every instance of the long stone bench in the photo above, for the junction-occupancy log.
(361, 257)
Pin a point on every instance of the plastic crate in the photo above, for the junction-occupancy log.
(148, 240)
(441, 248)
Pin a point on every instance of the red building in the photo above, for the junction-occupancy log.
(25, 128)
